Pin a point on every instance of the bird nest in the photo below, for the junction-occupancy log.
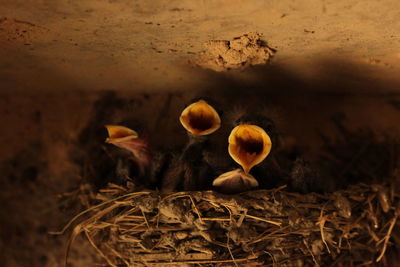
(356, 226)
(341, 210)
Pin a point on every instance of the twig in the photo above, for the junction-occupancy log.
(93, 208)
(98, 250)
(230, 213)
(263, 237)
(196, 209)
(230, 251)
(312, 255)
(241, 260)
(387, 237)
(145, 219)
(272, 257)
(217, 219)
(263, 220)
(80, 227)
(321, 222)
(116, 253)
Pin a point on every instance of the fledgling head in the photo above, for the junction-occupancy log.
(265, 117)
(200, 119)
(262, 121)
(129, 139)
(249, 145)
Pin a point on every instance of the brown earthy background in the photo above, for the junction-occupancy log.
(57, 57)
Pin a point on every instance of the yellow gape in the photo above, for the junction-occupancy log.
(249, 145)
(128, 139)
(199, 118)
(118, 134)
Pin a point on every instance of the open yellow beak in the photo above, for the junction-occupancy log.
(199, 118)
(119, 134)
(128, 139)
(249, 145)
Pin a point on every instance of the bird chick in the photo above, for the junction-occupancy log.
(128, 139)
(248, 145)
(200, 119)
(271, 172)
(190, 170)
(141, 154)
(266, 118)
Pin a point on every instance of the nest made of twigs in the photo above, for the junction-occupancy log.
(355, 227)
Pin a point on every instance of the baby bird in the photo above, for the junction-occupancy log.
(248, 145)
(189, 170)
(272, 172)
(141, 155)
(262, 121)
(128, 139)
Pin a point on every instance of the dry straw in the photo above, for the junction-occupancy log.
(353, 227)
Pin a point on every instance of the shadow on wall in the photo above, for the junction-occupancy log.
(302, 102)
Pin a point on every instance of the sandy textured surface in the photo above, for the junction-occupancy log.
(140, 44)
(57, 58)
(239, 53)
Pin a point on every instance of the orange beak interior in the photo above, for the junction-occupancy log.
(118, 134)
(128, 139)
(200, 118)
(249, 145)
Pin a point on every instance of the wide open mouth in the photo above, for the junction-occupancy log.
(128, 139)
(249, 145)
(118, 133)
(200, 118)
